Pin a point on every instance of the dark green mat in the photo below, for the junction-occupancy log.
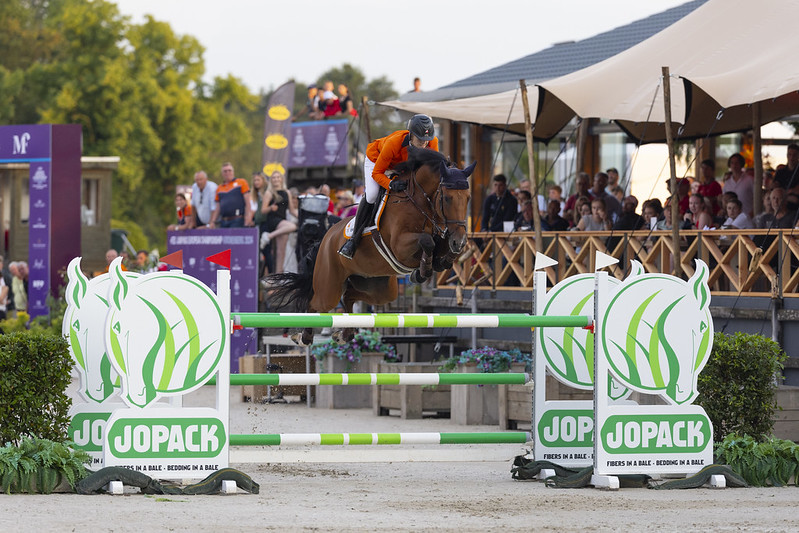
(96, 482)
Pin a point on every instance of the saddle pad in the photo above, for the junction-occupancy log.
(372, 225)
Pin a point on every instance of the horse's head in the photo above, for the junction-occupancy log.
(454, 194)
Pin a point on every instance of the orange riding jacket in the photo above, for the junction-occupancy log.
(388, 151)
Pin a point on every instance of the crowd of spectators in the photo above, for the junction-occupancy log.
(13, 288)
(324, 103)
(599, 203)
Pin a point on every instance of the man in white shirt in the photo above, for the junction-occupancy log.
(736, 218)
(202, 199)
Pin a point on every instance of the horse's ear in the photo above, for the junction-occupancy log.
(468, 170)
(444, 171)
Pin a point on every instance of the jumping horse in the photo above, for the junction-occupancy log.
(422, 229)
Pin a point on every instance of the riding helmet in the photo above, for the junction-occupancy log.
(421, 126)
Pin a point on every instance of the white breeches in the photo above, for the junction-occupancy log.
(371, 187)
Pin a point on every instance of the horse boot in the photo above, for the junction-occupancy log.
(361, 219)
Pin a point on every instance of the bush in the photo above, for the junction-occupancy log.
(34, 374)
(737, 387)
(772, 462)
(40, 465)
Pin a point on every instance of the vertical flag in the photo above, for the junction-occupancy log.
(277, 127)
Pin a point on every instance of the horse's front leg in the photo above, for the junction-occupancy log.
(425, 270)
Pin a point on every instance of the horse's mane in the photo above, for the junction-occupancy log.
(417, 157)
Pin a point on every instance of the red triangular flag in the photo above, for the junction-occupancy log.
(221, 259)
(175, 259)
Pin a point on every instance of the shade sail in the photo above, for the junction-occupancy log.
(723, 57)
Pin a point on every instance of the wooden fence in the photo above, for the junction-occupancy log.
(742, 262)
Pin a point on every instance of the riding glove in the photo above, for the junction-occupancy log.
(398, 185)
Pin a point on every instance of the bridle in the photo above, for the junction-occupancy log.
(437, 200)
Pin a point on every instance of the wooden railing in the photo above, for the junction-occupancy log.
(742, 262)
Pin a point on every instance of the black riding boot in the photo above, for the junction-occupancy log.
(361, 219)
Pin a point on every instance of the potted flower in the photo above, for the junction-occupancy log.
(359, 355)
(478, 404)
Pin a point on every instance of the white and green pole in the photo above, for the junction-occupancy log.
(370, 439)
(504, 378)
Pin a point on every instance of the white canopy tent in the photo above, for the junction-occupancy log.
(723, 57)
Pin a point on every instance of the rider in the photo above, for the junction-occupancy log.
(382, 155)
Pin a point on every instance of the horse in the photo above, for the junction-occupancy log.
(422, 229)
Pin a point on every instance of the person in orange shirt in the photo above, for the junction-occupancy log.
(381, 156)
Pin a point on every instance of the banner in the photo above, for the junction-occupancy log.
(319, 144)
(277, 128)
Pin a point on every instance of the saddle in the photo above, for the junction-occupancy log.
(374, 222)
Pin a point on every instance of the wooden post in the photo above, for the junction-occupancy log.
(757, 151)
(528, 134)
(367, 128)
(675, 208)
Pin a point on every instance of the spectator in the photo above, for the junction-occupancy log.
(582, 186)
(345, 101)
(4, 289)
(357, 191)
(553, 221)
(629, 219)
(8, 279)
(556, 193)
(332, 105)
(612, 205)
(683, 194)
(110, 255)
(345, 204)
(417, 85)
(653, 213)
(292, 217)
(499, 207)
(618, 194)
(144, 265)
(708, 186)
(232, 205)
(788, 176)
(783, 217)
(738, 182)
(331, 206)
(259, 207)
(736, 218)
(311, 104)
(203, 193)
(524, 220)
(698, 215)
(582, 208)
(665, 222)
(613, 181)
(184, 212)
(598, 220)
(277, 200)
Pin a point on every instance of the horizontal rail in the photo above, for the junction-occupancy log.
(403, 320)
(345, 439)
(422, 378)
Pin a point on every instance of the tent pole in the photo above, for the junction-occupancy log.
(528, 134)
(757, 152)
(365, 108)
(675, 208)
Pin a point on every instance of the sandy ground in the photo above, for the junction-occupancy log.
(397, 496)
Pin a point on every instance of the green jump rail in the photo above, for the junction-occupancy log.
(502, 378)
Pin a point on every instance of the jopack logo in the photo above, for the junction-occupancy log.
(657, 333)
(84, 318)
(569, 351)
(165, 333)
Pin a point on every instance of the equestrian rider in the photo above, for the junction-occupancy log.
(382, 155)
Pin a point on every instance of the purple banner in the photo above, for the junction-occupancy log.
(25, 143)
(39, 238)
(243, 246)
(319, 144)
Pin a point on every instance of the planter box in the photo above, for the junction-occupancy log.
(475, 404)
(786, 424)
(346, 396)
(410, 400)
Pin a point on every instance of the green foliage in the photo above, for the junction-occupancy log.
(35, 371)
(771, 462)
(363, 342)
(488, 360)
(39, 465)
(737, 387)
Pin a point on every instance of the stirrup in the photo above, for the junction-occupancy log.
(347, 249)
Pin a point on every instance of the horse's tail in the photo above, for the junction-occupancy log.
(290, 291)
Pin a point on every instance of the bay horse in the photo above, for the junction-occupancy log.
(422, 229)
